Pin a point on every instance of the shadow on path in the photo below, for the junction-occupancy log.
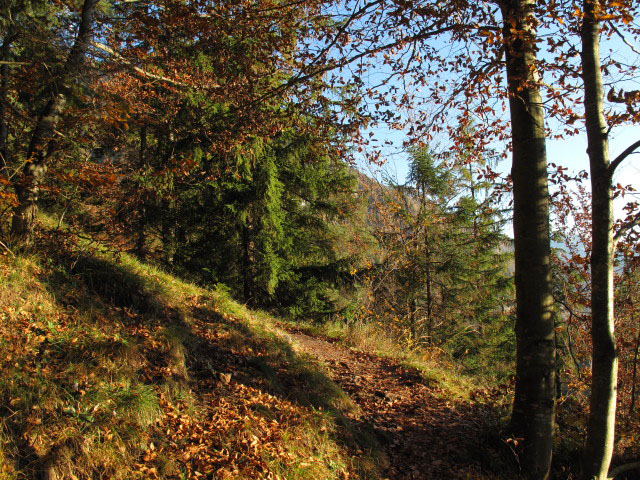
(425, 435)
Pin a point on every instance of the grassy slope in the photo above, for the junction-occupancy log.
(113, 369)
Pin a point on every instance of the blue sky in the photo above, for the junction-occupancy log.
(569, 152)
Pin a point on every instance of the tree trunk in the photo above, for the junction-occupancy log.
(634, 377)
(600, 430)
(5, 55)
(247, 287)
(28, 185)
(416, 330)
(427, 263)
(534, 403)
(141, 236)
(558, 368)
(168, 232)
(429, 288)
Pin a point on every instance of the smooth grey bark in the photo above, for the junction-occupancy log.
(601, 424)
(534, 403)
(27, 187)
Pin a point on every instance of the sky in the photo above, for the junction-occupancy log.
(569, 152)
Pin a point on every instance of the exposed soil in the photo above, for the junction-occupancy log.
(424, 434)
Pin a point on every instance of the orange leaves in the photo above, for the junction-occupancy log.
(86, 175)
(616, 10)
(116, 116)
(217, 441)
(491, 36)
(7, 197)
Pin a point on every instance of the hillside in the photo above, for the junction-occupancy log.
(114, 369)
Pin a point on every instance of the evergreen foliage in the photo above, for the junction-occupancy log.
(272, 225)
(449, 261)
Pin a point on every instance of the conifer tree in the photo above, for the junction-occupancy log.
(448, 259)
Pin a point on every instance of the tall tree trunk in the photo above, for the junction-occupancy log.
(429, 299)
(141, 236)
(634, 376)
(534, 403)
(600, 430)
(247, 286)
(5, 55)
(558, 368)
(428, 272)
(413, 321)
(28, 185)
(168, 231)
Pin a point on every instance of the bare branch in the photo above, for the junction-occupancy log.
(624, 39)
(626, 227)
(356, 14)
(305, 75)
(613, 473)
(7, 249)
(620, 158)
(138, 70)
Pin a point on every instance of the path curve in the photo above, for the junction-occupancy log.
(424, 435)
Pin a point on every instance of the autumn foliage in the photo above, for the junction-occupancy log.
(219, 141)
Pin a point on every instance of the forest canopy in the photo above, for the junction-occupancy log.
(221, 141)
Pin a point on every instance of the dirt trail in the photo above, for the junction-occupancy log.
(424, 435)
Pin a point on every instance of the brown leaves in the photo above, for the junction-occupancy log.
(425, 436)
(229, 437)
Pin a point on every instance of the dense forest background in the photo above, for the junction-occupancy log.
(218, 142)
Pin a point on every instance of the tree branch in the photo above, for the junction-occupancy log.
(305, 74)
(626, 227)
(624, 39)
(7, 249)
(138, 70)
(620, 158)
(354, 15)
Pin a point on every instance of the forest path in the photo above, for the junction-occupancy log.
(424, 434)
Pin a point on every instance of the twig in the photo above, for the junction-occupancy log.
(7, 249)
(624, 39)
